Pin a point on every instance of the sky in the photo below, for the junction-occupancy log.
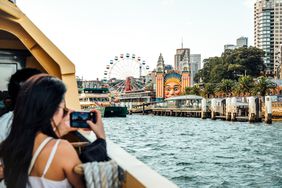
(92, 32)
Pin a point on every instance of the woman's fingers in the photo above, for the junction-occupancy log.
(64, 126)
(98, 127)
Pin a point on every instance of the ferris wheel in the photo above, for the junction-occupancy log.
(126, 73)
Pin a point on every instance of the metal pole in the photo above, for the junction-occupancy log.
(140, 69)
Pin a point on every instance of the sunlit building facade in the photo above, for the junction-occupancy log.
(229, 47)
(195, 62)
(242, 42)
(179, 56)
(268, 32)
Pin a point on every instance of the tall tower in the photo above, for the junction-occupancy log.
(178, 57)
(268, 31)
(242, 42)
(195, 66)
(160, 78)
(185, 76)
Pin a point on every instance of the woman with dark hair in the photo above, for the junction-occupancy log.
(32, 154)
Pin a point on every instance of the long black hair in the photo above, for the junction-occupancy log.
(17, 80)
(36, 104)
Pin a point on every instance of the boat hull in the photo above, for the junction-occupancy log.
(115, 111)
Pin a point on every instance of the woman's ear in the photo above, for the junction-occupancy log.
(53, 125)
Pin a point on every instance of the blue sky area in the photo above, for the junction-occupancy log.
(92, 32)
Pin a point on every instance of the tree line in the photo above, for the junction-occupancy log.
(236, 72)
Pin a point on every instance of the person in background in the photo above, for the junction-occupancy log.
(14, 86)
(33, 154)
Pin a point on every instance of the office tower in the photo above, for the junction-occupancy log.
(229, 47)
(268, 32)
(242, 42)
(195, 61)
(179, 56)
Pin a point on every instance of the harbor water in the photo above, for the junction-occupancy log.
(193, 152)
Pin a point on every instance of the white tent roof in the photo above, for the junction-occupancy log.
(184, 97)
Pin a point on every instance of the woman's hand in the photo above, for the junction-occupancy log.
(64, 126)
(98, 127)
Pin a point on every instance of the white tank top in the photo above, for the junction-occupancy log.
(42, 182)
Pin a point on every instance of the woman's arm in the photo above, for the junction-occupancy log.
(69, 159)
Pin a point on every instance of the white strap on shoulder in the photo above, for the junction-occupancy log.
(37, 152)
(51, 156)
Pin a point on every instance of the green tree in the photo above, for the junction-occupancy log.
(231, 65)
(263, 85)
(226, 86)
(245, 84)
(194, 90)
(246, 61)
(208, 90)
(188, 90)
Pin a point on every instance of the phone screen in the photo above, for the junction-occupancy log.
(78, 119)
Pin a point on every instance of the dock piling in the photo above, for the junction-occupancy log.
(213, 109)
(228, 109)
(268, 110)
(204, 109)
(252, 110)
(234, 109)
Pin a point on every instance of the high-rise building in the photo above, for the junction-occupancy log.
(179, 56)
(242, 42)
(229, 47)
(268, 32)
(195, 61)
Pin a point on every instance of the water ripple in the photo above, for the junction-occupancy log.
(203, 153)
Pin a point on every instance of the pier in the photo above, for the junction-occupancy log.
(178, 112)
(247, 109)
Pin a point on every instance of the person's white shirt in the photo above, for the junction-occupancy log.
(5, 125)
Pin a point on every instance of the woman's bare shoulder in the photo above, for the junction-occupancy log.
(68, 157)
(66, 147)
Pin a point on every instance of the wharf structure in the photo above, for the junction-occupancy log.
(136, 98)
(184, 106)
(252, 109)
(22, 45)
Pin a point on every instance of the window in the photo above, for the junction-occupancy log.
(6, 70)
(10, 62)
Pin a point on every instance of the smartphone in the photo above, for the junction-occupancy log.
(78, 119)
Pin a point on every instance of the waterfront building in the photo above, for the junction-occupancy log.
(242, 42)
(229, 47)
(268, 32)
(179, 56)
(195, 62)
(135, 98)
(279, 69)
(88, 83)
